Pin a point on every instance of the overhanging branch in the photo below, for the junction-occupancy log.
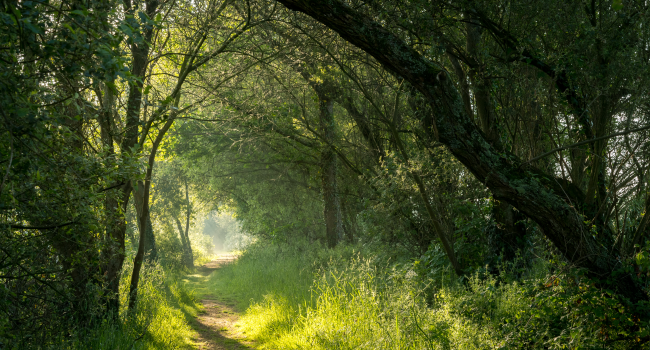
(588, 141)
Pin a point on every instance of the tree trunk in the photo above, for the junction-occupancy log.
(507, 235)
(326, 92)
(113, 253)
(538, 195)
(185, 241)
(190, 253)
(137, 263)
(115, 206)
(139, 64)
(150, 251)
(332, 211)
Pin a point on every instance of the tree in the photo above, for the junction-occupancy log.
(539, 195)
(56, 174)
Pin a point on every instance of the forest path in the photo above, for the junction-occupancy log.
(215, 324)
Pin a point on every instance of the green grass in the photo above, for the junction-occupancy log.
(320, 299)
(306, 297)
(166, 306)
(313, 298)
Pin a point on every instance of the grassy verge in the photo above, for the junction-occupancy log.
(311, 298)
(166, 305)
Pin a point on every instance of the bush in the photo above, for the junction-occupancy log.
(304, 297)
(158, 322)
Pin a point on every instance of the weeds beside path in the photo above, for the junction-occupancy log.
(215, 324)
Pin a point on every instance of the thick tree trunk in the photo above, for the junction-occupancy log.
(507, 235)
(115, 206)
(332, 211)
(113, 253)
(538, 195)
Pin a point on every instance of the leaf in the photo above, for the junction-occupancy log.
(33, 28)
(617, 5)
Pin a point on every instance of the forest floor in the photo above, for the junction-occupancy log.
(215, 324)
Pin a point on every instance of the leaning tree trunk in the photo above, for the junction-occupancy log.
(507, 236)
(150, 251)
(139, 256)
(538, 195)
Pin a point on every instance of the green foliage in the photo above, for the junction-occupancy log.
(170, 248)
(160, 320)
(85, 86)
(270, 196)
(52, 226)
(298, 297)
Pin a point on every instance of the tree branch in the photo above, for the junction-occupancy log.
(588, 141)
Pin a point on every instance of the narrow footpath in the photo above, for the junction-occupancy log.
(215, 324)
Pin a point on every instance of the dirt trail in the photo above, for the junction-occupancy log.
(215, 324)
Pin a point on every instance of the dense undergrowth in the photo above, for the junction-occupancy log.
(160, 321)
(311, 298)
(304, 296)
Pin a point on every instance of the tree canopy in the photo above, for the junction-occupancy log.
(481, 133)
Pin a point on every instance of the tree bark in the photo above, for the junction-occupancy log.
(115, 206)
(150, 250)
(139, 52)
(332, 210)
(507, 233)
(190, 254)
(326, 93)
(137, 263)
(139, 64)
(538, 195)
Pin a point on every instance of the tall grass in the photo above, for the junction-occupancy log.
(312, 298)
(160, 320)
